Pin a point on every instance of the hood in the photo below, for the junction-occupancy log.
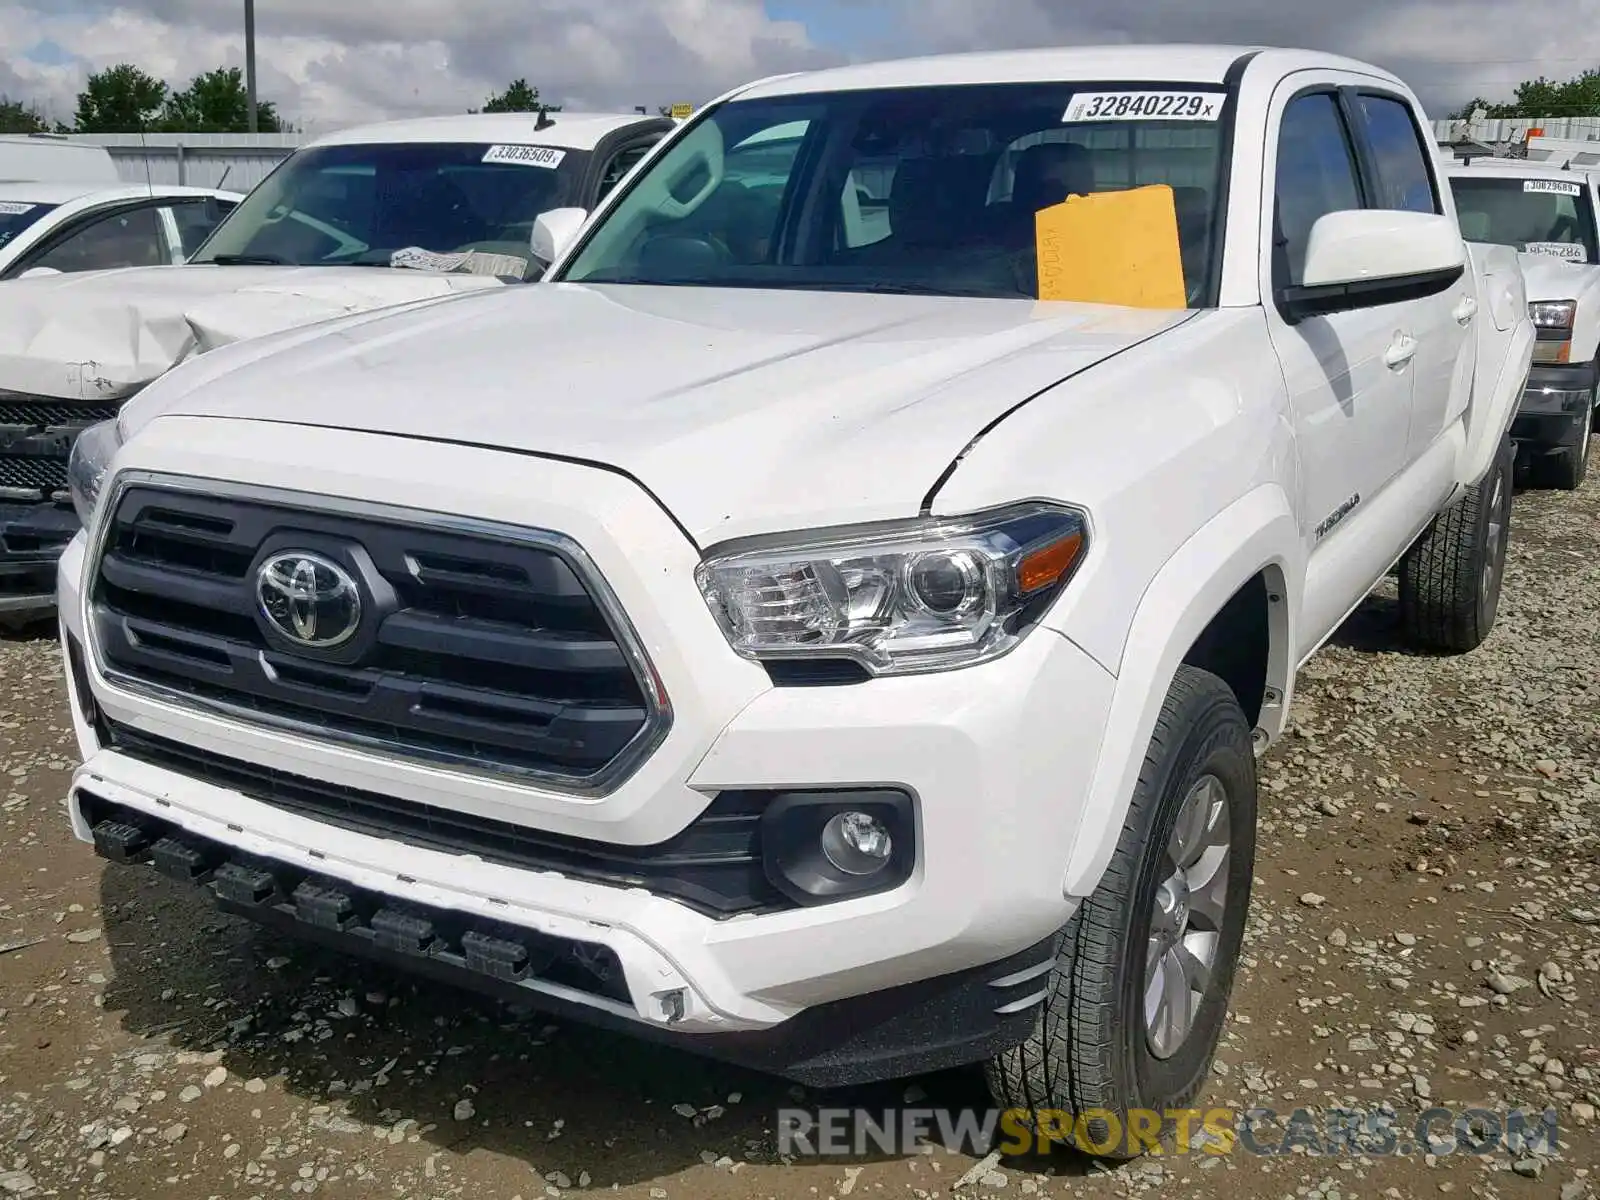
(742, 411)
(105, 334)
(1552, 278)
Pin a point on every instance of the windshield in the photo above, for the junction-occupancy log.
(420, 204)
(1539, 216)
(930, 190)
(17, 215)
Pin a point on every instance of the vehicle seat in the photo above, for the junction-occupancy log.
(933, 204)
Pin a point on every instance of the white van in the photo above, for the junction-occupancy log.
(51, 158)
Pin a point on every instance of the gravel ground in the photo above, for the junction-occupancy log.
(1425, 932)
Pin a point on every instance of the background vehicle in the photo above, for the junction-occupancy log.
(68, 227)
(43, 158)
(1548, 214)
(823, 652)
(380, 215)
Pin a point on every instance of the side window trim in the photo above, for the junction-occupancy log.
(1356, 126)
(1280, 262)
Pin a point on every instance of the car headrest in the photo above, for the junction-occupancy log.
(1048, 173)
(931, 199)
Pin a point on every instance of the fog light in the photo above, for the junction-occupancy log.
(822, 846)
(857, 843)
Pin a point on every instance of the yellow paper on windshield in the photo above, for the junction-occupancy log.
(1112, 248)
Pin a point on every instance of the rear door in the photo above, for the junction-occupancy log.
(1402, 173)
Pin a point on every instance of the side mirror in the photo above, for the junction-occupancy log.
(1369, 257)
(554, 231)
(38, 273)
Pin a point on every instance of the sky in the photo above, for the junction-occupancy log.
(328, 63)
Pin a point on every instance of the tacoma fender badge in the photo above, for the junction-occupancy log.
(1337, 515)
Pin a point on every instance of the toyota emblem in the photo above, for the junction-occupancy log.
(310, 600)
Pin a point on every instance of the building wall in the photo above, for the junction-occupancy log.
(235, 161)
(1492, 132)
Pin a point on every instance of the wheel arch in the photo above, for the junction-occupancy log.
(1238, 576)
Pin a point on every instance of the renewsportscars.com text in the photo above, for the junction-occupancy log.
(846, 1132)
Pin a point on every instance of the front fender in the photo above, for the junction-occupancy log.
(1504, 355)
(1257, 533)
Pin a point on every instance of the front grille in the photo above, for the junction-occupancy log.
(44, 475)
(36, 437)
(484, 649)
(714, 866)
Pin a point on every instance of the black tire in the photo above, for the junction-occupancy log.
(1565, 469)
(1450, 579)
(1089, 1059)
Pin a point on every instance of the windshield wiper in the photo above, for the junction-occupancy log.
(248, 260)
(906, 289)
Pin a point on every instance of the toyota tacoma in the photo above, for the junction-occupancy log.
(828, 639)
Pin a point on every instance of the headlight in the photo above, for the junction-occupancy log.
(923, 595)
(86, 469)
(1553, 314)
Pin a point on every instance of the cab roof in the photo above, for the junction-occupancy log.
(1518, 168)
(567, 131)
(66, 193)
(1174, 63)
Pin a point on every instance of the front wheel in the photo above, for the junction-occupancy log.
(1450, 579)
(1144, 968)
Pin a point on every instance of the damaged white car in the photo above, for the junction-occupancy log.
(363, 219)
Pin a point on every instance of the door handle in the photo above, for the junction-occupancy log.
(1465, 311)
(1401, 351)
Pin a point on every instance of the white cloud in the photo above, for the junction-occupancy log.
(1447, 50)
(328, 64)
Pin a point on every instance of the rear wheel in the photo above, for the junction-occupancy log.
(1450, 579)
(1145, 966)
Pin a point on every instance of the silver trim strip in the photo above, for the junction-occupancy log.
(658, 707)
(1024, 975)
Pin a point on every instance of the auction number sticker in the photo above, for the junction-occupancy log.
(15, 208)
(1567, 250)
(525, 156)
(1555, 186)
(1145, 106)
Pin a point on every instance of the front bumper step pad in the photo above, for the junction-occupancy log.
(351, 918)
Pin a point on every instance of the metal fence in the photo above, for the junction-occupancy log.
(235, 161)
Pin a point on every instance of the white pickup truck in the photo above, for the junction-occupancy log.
(1548, 214)
(790, 637)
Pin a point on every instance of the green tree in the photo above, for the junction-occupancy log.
(519, 97)
(17, 117)
(1541, 97)
(216, 102)
(120, 99)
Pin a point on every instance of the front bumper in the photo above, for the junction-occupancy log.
(1557, 406)
(828, 992)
